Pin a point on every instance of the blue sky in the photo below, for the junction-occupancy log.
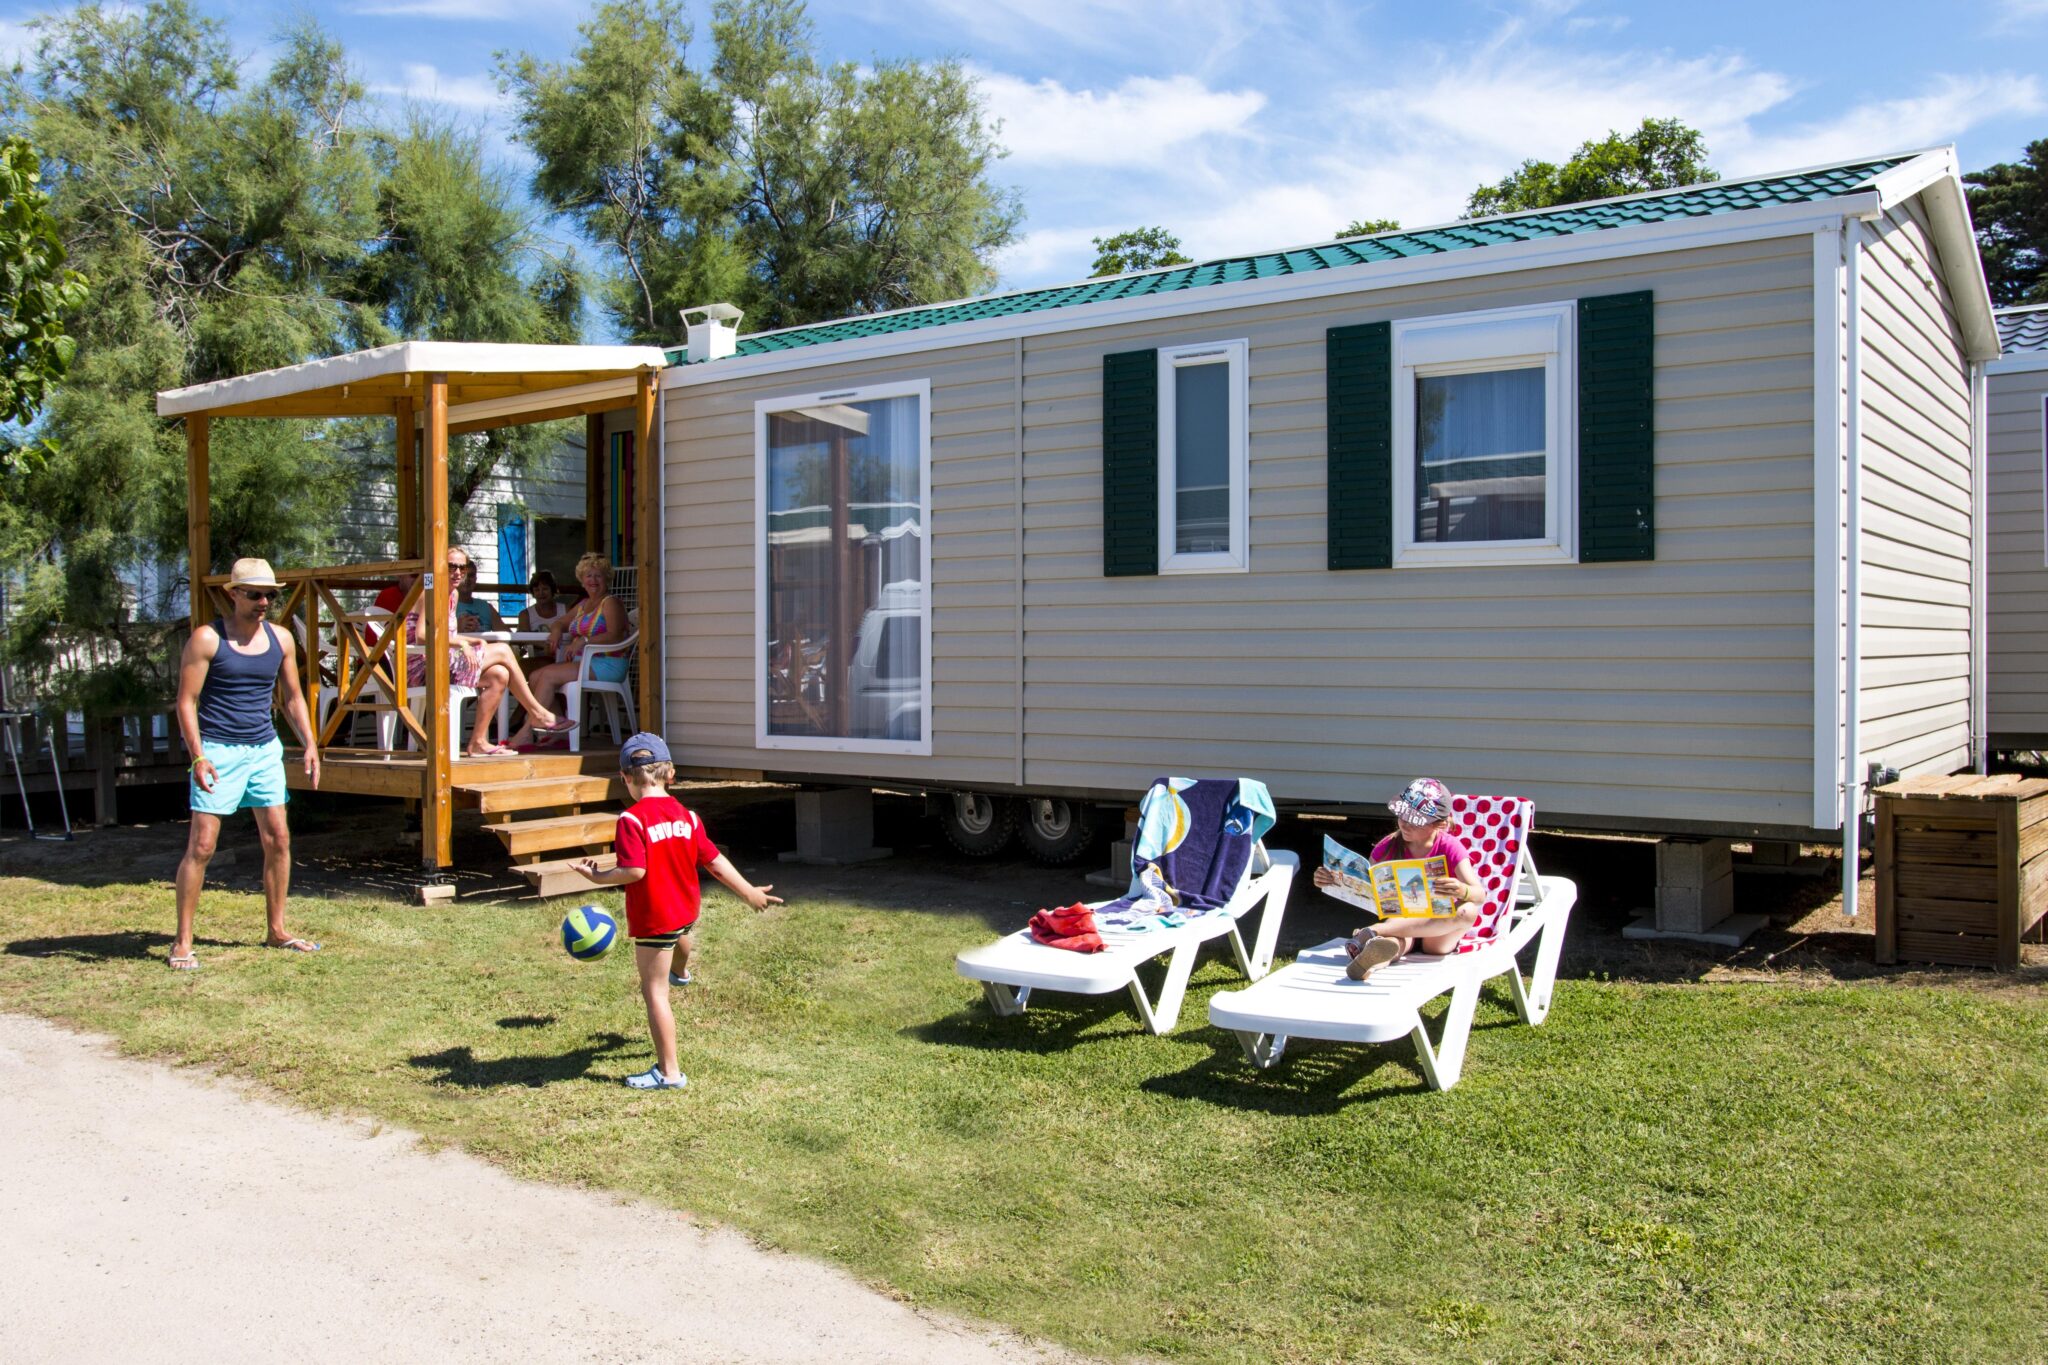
(1252, 124)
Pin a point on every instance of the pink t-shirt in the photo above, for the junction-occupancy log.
(1444, 845)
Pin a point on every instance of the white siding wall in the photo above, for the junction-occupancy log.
(1679, 690)
(1914, 711)
(2018, 698)
(369, 527)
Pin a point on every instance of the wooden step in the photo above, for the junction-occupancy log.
(538, 793)
(512, 768)
(549, 832)
(557, 878)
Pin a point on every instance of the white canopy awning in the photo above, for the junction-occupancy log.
(514, 380)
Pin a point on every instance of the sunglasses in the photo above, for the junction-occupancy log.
(259, 594)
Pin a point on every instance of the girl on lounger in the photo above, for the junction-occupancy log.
(1424, 811)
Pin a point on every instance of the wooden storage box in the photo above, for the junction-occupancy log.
(1962, 868)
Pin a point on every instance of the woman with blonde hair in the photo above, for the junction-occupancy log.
(599, 619)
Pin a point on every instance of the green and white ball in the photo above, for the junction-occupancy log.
(589, 933)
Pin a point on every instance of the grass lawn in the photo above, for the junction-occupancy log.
(1707, 1171)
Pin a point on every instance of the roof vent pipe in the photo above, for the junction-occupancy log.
(712, 331)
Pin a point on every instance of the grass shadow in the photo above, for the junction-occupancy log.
(125, 945)
(526, 1021)
(1072, 1022)
(460, 1066)
(1310, 1078)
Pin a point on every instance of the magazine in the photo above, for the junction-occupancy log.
(1399, 886)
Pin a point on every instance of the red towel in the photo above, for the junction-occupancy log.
(1069, 926)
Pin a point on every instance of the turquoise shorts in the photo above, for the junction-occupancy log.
(244, 775)
(608, 668)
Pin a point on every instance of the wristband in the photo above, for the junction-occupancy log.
(189, 767)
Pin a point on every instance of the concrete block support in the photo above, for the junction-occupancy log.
(1695, 895)
(1117, 876)
(835, 826)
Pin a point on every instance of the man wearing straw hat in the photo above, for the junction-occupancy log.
(227, 678)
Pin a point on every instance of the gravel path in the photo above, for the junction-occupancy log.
(158, 1214)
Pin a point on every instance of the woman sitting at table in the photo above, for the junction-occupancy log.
(600, 619)
(486, 665)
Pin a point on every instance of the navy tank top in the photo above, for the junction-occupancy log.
(234, 701)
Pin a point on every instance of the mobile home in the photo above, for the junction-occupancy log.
(1661, 511)
(2016, 441)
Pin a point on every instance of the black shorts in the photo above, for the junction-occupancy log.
(666, 940)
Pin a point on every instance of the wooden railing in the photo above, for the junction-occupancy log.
(311, 604)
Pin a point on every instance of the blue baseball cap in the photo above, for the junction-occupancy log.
(642, 749)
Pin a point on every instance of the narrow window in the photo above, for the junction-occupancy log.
(843, 608)
(1202, 504)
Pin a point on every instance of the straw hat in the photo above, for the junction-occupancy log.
(252, 573)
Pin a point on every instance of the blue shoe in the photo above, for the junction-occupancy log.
(652, 1079)
(675, 980)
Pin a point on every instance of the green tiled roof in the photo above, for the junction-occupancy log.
(2022, 329)
(1699, 201)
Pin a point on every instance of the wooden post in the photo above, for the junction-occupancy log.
(408, 482)
(103, 754)
(311, 680)
(647, 548)
(436, 832)
(198, 514)
(595, 462)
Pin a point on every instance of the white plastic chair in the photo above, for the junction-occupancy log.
(1312, 997)
(614, 693)
(458, 699)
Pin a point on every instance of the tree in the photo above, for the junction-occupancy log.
(37, 294)
(228, 224)
(2009, 203)
(796, 189)
(1145, 248)
(1662, 154)
(456, 259)
(1366, 227)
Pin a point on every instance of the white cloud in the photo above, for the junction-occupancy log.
(2020, 11)
(1131, 125)
(1154, 27)
(420, 81)
(17, 41)
(1944, 108)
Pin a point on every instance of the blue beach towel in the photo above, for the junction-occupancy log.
(1195, 838)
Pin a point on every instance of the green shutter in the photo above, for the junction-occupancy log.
(1359, 414)
(1130, 464)
(1617, 466)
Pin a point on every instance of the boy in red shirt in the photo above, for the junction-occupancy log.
(660, 847)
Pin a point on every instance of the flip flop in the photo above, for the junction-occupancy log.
(562, 726)
(492, 751)
(293, 945)
(182, 962)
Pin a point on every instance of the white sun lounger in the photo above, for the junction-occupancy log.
(1013, 966)
(1312, 998)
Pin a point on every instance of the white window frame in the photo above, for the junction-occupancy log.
(1542, 335)
(921, 389)
(1237, 559)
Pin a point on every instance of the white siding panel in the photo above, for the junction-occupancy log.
(1915, 421)
(2018, 672)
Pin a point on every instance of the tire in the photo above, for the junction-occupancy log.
(976, 823)
(1056, 832)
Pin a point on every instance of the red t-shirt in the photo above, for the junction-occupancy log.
(659, 835)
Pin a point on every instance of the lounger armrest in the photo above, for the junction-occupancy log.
(1272, 886)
